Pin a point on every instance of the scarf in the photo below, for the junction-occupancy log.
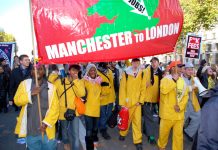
(97, 80)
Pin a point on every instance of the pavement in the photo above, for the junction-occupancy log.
(8, 140)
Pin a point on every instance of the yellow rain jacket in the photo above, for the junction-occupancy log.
(78, 88)
(132, 91)
(108, 93)
(53, 77)
(93, 98)
(23, 97)
(152, 91)
(168, 100)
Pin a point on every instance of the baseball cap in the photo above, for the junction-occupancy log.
(189, 65)
(174, 63)
(154, 58)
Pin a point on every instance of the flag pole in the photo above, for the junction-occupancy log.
(35, 69)
(176, 70)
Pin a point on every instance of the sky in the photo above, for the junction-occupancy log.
(15, 19)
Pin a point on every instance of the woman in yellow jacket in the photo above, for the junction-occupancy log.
(107, 97)
(68, 89)
(28, 121)
(92, 84)
(173, 101)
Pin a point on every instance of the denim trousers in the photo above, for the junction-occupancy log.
(36, 143)
(105, 113)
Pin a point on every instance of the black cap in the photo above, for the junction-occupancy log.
(135, 59)
(154, 58)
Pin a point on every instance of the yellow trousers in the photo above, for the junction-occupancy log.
(135, 118)
(164, 131)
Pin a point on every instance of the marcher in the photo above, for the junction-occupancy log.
(4, 82)
(16, 62)
(92, 84)
(116, 74)
(18, 75)
(193, 107)
(107, 99)
(153, 75)
(121, 66)
(173, 101)
(207, 77)
(28, 122)
(132, 92)
(208, 131)
(202, 64)
(6, 67)
(68, 89)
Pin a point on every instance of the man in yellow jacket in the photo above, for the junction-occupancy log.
(107, 97)
(173, 101)
(132, 89)
(28, 122)
(193, 107)
(68, 89)
(153, 77)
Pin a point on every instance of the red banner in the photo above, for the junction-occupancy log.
(104, 30)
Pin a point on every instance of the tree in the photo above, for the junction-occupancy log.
(199, 14)
(5, 37)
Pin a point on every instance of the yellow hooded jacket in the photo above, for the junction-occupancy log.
(23, 97)
(168, 100)
(108, 93)
(93, 98)
(152, 91)
(53, 77)
(79, 89)
(132, 89)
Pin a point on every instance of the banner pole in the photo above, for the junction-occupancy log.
(35, 69)
(175, 57)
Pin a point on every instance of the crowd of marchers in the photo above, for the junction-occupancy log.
(176, 96)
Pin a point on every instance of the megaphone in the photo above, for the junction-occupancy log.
(61, 70)
(202, 90)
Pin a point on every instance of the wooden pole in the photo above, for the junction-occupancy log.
(176, 71)
(35, 69)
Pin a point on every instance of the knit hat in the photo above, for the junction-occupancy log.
(89, 67)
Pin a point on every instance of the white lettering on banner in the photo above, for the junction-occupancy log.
(105, 42)
(162, 31)
(52, 51)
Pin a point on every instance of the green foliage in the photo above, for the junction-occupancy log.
(199, 14)
(4, 37)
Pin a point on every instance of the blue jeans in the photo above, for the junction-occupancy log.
(36, 143)
(106, 112)
(92, 127)
(70, 131)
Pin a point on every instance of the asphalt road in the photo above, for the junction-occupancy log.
(8, 139)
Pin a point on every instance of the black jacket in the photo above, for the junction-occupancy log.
(204, 80)
(15, 79)
(208, 131)
(4, 80)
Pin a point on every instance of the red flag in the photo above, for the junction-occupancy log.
(105, 30)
